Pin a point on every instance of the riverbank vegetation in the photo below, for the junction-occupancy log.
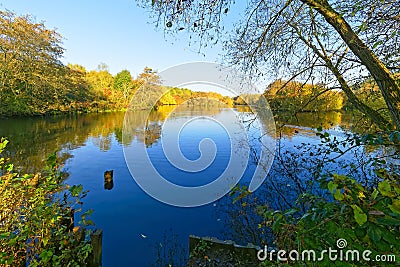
(34, 81)
(36, 217)
(295, 96)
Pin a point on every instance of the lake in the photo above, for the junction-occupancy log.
(137, 229)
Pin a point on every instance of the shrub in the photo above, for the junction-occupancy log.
(35, 216)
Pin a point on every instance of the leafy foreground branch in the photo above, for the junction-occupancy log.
(36, 211)
(368, 219)
(363, 213)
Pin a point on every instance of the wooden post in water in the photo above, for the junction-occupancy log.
(96, 240)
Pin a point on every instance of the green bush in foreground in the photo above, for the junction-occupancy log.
(356, 216)
(35, 218)
(368, 219)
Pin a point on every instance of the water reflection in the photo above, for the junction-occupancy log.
(33, 139)
(91, 147)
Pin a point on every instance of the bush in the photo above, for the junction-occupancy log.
(366, 218)
(363, 213)
(35, 216)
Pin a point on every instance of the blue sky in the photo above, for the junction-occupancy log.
(117, 33)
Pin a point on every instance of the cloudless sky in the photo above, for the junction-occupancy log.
(118, 33)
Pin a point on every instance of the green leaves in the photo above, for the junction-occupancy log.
(375, 193)
(374, 233)
(3, 144)
(384, 188)
(376, 44)
(123, 82)
(332, 186)
(38, 212)
(46, 255)
(52, 159)
(338, 195)
(4, 235)
(359, 215)
(387, 220)
(368, 217)
(278, 219)
(364, 212)
(363, 26)
(395, 206)
(76, 190)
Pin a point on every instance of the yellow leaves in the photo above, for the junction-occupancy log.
(76, 229)
(361, 195)
(288, 95)
(33, 181)
(30, 62)
(167, 99)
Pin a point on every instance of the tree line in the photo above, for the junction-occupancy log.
(34, 81)
(295, 96)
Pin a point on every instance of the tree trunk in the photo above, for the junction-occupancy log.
(371, 113)
(374, 115)
(384, 78)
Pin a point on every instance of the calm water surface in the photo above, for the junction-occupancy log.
(138, 230)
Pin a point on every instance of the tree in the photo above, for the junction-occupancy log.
(101, 82)
(102, 67)
(386, 81)
(79, 87)
(303, 97)
(166, 99)
(337, 43)
(148, 76)
(31, 73)
(123, 83)
(78, 68)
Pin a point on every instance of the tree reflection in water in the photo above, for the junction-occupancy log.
(33, 139)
